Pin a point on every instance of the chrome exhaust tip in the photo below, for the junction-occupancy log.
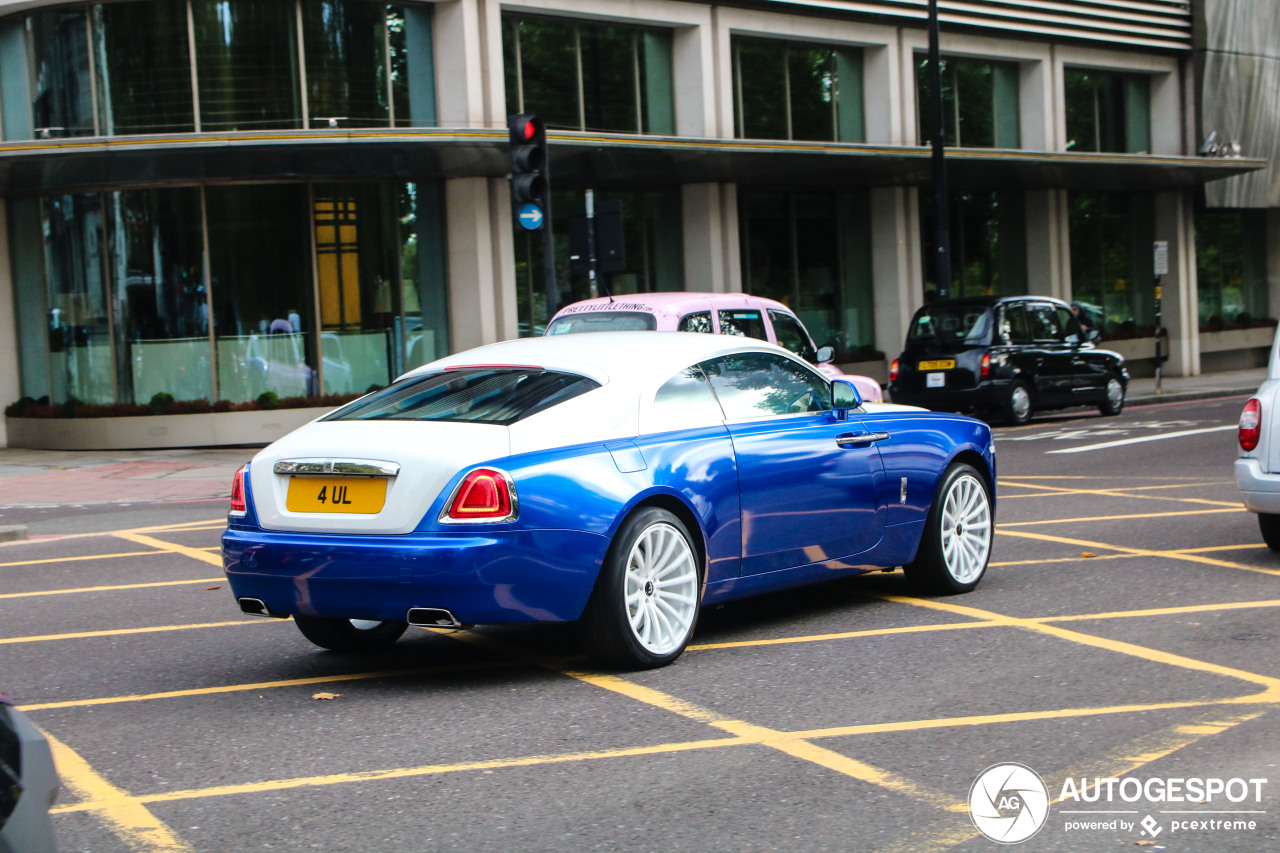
(431, 617)
(257, 607)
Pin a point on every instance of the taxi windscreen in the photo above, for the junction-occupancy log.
(603, 321)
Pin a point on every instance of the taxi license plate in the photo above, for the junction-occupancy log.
(940, 364)
(363, 495)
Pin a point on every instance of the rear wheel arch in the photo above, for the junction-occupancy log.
(680, 510)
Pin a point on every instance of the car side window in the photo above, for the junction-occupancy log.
(1014, 326)
(684, 401)
(743, 323)
(699, 321)
(1044, 323)
(757, 385)
(791, 334)
(1069, 324)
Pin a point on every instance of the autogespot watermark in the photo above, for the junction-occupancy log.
(1010, 803)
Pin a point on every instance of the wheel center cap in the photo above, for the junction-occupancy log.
(648, 587)
(959, 529)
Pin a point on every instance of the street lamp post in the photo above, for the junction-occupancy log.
(941, 208)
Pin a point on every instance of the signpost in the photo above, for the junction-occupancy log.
(1161, 265)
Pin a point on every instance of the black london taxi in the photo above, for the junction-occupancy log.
(1003, 358)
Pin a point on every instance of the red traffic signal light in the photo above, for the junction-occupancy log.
(527, 139)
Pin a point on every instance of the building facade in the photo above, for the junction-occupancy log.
(217, 198)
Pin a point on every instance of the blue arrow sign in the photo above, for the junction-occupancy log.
(530, 216)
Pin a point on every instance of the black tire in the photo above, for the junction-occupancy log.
(650, 626)
(1018, 404)
(953, 556)
(346, 635)
(1270, 527)
(1113, 403)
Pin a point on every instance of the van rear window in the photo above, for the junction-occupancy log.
(489, 395)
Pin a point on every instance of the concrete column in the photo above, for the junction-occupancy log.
(712, 259)
(693, 53)
(1048, 244)
(1036, 105)
(458, 40)
(481, 262)
(895, 264)
(10, 377)
(1180, 310)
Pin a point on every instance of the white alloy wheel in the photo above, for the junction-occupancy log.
(1115, 393)
(966, 529)
(661, 588)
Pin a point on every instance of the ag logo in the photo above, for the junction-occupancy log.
(1008, 803)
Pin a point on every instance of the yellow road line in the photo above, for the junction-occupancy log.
(118, 632)
(1162, 611)
(1271, 685)
(267, 685)
(1120, 762)
(193, 553)
(1187, 556)
(409, 772)
(1121, 517)
(111, 588)
(180, 527)
(1064, 560)
(124, 814)
(79, 559)
(844, 635)
(1210, 549)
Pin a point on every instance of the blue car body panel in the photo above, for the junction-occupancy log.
(776, 504)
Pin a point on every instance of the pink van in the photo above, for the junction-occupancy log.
(712, 313)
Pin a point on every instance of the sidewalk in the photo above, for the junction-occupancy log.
(51, 477)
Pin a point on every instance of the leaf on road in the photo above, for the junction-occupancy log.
(325, 695)
(213, 587)
(1088, 554)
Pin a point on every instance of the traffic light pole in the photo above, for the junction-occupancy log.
(941, 207)
(550, 285)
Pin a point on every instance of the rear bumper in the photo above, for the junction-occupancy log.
(505, 576)
(1259, 491)
(984, 396)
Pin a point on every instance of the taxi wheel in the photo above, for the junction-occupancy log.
(645, 604)
(349, 635)
(1114, 401)
(956, 544)
(1017, 404)
(1270, 526)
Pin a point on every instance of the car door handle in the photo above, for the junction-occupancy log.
(850, 439)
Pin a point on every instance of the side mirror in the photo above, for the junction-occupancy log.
(844, 396)
(825, 354)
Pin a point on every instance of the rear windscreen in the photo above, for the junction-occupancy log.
(951, 323)
(603, 321)
(490, 395)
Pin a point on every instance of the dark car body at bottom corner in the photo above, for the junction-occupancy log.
(972, 354)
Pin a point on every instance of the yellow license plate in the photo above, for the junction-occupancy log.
(940, 364)
(364, 495)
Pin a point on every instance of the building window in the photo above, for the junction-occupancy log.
(812, 252)
(578, 75)
(1111, 238)
(123, 68)
(988, 244)
(784, 90)
(1231, 268)
(117, 295)
(979, 103)
(1107, 111)
(653, 241)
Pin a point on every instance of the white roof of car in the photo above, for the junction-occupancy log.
(607, 356)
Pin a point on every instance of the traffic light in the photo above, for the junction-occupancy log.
(529, 180)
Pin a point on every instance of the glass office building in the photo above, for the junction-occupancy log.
(217, 198)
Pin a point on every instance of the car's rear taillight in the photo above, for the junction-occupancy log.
(486, 494)
(893, 371)
(237, 491)
(986, 364)
(1250, 425)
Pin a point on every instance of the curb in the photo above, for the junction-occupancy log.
(13, 532)
(1188, 396)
